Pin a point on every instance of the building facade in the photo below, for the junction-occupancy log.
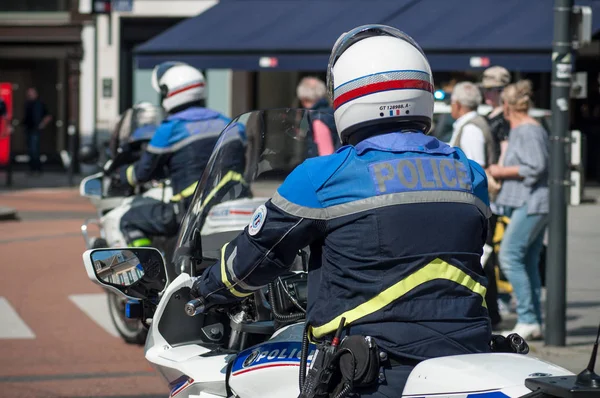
(118, 84)
(41, 47)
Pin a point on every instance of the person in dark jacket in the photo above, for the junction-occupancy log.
(395, 220)
(494, 80)
(323, 137)
(179, 149)
(35, 121)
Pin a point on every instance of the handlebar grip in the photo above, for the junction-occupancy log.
(196, 306)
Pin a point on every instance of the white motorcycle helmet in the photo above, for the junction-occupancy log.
(178, 84)
(379, 81)
(145, 113)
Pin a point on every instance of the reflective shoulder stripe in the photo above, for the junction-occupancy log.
(131, 175)
(189, 191)
(437, 269)
(224, 277)
(178, 145)
(374, 202)
(230, 176)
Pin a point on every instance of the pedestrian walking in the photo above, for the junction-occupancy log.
(524, 198)
(35, 121)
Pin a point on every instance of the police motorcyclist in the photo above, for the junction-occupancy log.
(179, 149)
(395, 220)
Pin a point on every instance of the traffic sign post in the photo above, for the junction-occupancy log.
(572, 28)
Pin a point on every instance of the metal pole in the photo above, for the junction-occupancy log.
(74, 60)
(71, 131)
(556, 272)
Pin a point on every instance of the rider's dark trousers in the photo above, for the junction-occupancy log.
(143, 222)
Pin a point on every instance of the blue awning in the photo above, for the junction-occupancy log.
(298, 34)
(493, 26)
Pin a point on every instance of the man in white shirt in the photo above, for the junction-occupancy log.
(471, 131)
(472, 134)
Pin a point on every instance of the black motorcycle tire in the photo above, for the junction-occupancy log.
(130, 330)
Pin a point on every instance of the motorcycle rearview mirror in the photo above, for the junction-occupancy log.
(91, 186)
(134, 273)
(88, 154)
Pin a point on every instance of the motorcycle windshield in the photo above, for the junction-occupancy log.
(252, 157)
(135, 125)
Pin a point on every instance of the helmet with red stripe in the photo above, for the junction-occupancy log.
(379, 81)
(178, 84)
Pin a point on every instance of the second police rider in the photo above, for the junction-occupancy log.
(179, 150)
(395, 220)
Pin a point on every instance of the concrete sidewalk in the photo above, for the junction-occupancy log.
(22, 180)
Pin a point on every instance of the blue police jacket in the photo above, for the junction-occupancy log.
(179, 149)
(396, 227)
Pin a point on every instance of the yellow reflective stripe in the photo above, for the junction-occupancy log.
(437, 269)
(130, 172)
(224, 278)
(189, 191)
(230, 176)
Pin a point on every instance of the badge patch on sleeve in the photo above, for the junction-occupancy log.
(258, 219)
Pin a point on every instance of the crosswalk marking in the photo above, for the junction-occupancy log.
(96, 307)
(11, 324)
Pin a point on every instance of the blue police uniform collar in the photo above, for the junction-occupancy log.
(193, 114)
(404, 142)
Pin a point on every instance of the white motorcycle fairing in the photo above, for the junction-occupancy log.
(495, 375)
(232, 215)
(192, 370)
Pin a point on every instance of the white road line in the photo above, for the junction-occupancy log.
(11, 324)
(96, 307)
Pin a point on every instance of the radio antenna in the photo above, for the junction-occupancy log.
(588, 377)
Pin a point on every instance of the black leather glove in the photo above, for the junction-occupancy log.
(195, 291)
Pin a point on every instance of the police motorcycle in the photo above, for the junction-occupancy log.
(113, 199)
(258, 347)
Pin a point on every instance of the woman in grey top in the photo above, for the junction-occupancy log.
(524, 197)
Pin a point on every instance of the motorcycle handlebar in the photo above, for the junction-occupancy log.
(197, 306)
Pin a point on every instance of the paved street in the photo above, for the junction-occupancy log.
(57, 341)
(55, 336)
